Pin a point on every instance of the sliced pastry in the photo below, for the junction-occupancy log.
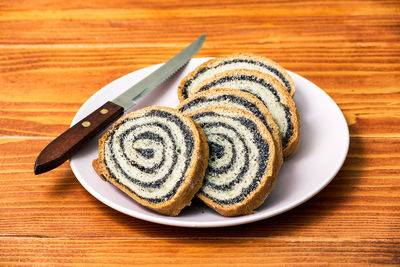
(236, 99)
(271, 93)
(157, 156)
(242, 166)
(232, 62)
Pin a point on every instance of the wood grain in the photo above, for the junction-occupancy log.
(186, 252)
(64, 146)
(365, 187)
(44, 74)
(55, 54)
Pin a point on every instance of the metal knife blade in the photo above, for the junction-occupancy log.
(68, 143)
(142, 88)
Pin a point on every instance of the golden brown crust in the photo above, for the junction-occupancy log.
(258, 196)
(294, 142)
(233, 56)
(98, 169)
(252, 99)
(194, 174)
(285, 98)
(191, 74)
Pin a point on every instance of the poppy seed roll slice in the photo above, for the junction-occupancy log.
(157, 156)
(236, 99)
(271, 93)
(233, 62)
(242, 167)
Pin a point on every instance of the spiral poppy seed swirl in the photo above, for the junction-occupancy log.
(242, 166)
(156, 156)
(235, 99)
(233, 62)
(271, 93)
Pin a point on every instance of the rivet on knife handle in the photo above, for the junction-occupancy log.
(64, 146)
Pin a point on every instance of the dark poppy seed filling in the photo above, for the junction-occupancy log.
(225, 99)
(264, 91)
(185, 91)
(268, 68)
(230, 64)
(235, 144)
(150, 154)
(223, 149)
(147, 153)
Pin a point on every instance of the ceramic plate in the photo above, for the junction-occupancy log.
(323, 149)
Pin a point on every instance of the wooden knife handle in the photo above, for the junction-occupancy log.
(68, 143)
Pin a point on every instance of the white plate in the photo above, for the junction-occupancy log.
(323, 149)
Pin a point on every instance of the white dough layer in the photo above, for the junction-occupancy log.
(119, 160)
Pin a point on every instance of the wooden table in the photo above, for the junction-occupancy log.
(56, 54)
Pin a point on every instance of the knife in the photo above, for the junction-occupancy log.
(68, 143)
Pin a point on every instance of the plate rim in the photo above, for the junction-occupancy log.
(233, 221)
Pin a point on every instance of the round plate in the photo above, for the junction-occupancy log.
(323, 148)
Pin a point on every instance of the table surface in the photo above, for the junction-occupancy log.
(56, 54)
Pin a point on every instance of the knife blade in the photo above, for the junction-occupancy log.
(68, 143)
